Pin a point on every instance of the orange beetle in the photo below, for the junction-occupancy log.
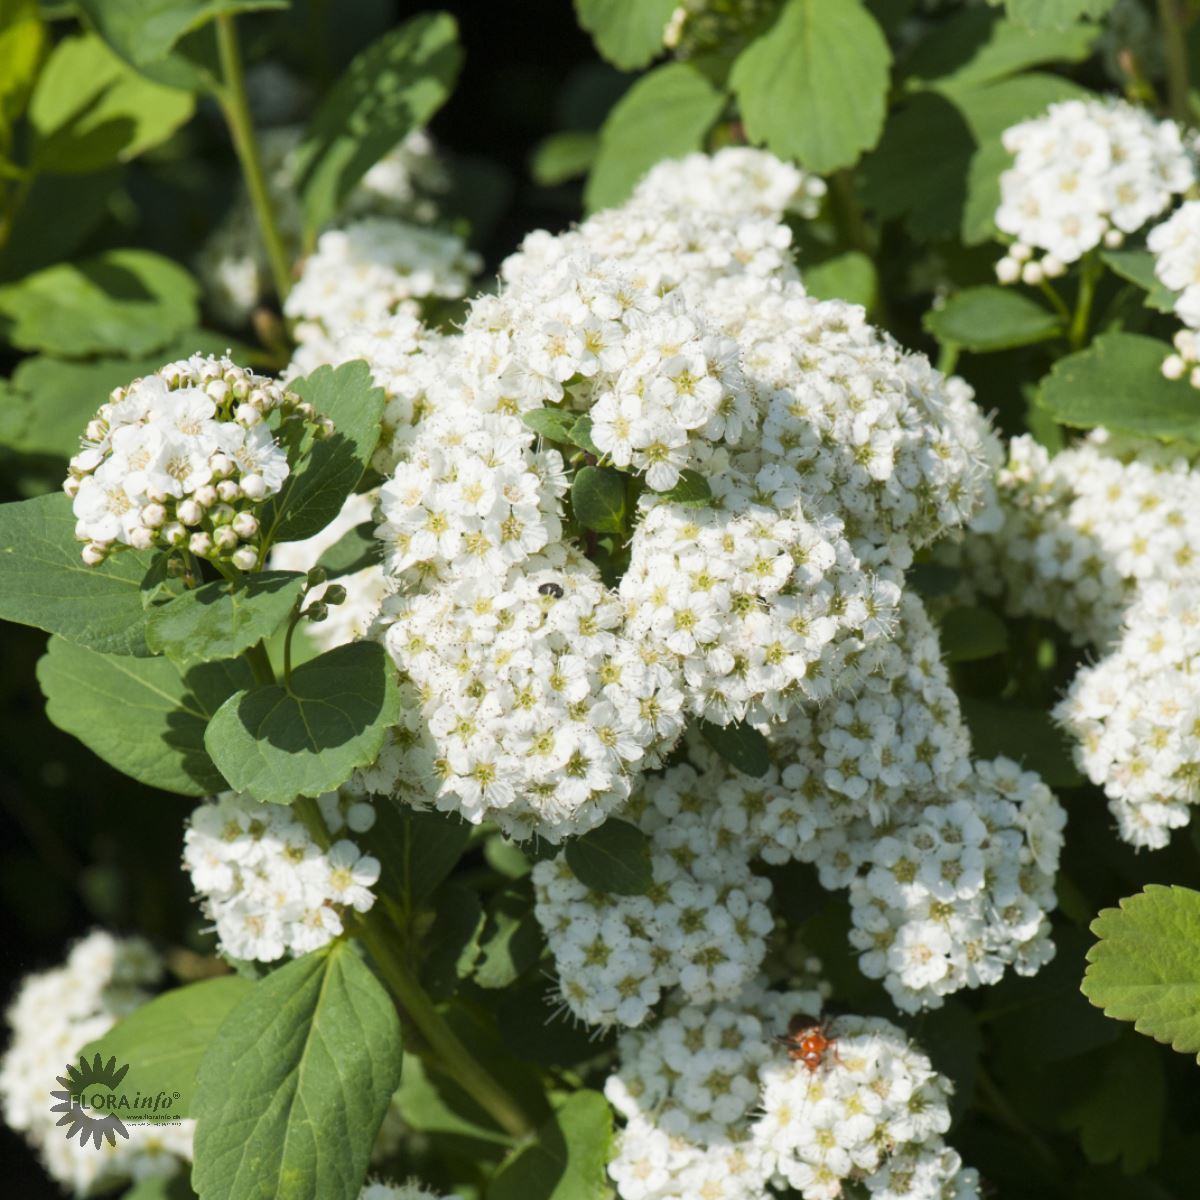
(808, 1040)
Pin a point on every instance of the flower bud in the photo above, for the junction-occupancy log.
(1008, 270)
(1114, 238)
(245, 558)
(71, 486)
(1173, 366)
(224, 538)
(201, 544)
(174, 534)
(222, 514)
(1020, 252)
(205, 496)
(247, 415)
(94, 554)
(221, 466)
(1031, 273)
(334, 594)
(153, 515)
(141, 538)
(245, 524)
(1053, 266)
(189, 512)
(317, 576)
(254, 486)
(229, 491)
(317, 612)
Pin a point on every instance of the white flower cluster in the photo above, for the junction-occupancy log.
(677, 327)
(1102, 538)
(1175, 245)
(233, 266)
(366, 271)
(1085, 173)
(53, 1016)
(182, 460)
(1135, 715)
(1083, 530)
(266, 884)
(539, 709)
(715, 1107)
(701, 926)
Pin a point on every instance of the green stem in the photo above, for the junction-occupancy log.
(1060, 305)
(1089, 277)
(293, 621)
(1175, 56)
(448, 1053)
(236, 107)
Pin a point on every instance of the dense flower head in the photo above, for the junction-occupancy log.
(1085, 529)
(700, 926)
(1085, 172)
(1135, 715)
(714, 1106)
(371, 269)
(1175, 245)
(264, 881)
(538, 709)
(54, 1014)
(183, 459)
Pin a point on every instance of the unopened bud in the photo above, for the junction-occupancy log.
(94, 554)
(201, 544)
(153, 515)
(245, 524)
(334, 594)
(224, 538)
(247, 415)
(174, 534)
(317, 576)
(317, 612)
(205, 496)
(254, 486)
(189, 512)
(245, 558)
(229, 491)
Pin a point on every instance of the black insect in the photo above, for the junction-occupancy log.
(551, 589)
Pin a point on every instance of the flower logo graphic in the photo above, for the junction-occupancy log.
(86, 1101)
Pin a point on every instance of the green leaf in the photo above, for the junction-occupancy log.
(1137, 266)
(1055, 14)
(306, 736)
(581, 435)
(613, 857)
(850, 276)
(89, 109)
(392, 87)
(740, 745)
(220, 620)
(975, 47)
(554, 424)
(814, 86)
(1146, 966)
(292, 1091)
(314, 493)
(57, 398)
(511, 941)
(563, 156)
(598, 499)
(1120, 1115)
(666, 114)
(1026, 735)
(1118, 382)
(356, 549)
(164, 1040)
(417, 849)
(968, 634)
(992, 318)
(629, 33)
(139, 714)
(145, 31)
(568, 1159)
(120, 302)
(44, 582)
(692, 490)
